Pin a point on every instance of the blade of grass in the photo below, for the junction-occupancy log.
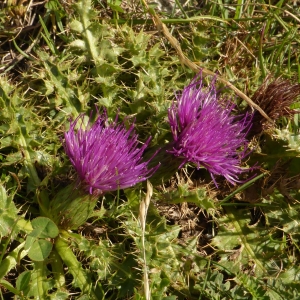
(239, 9)
(241, 188)
(260, 52)
(47, 36)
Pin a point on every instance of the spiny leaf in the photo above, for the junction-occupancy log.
(240, 244)
(8, 213)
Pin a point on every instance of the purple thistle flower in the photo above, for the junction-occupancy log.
(206, 132)
(106, 156)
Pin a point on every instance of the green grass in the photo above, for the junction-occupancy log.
(195, 241)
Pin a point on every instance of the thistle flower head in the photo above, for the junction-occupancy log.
(105, 156)
(206, 132)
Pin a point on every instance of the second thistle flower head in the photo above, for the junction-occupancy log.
(206, 132)
(105, 156)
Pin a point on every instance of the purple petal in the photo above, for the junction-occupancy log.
(206, 133)
(106, 156)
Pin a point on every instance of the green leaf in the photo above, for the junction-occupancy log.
(292, 139)
(22, 283)
(24, 225)
(41, 282)
(29, 242)
(12, 259)
(283, 149)
(40, 250)
(9, 286)
(80, 44)
(81, 277)
(184, 194)
(66, 94)
(115, 5)
(240, 244)
(76, 26)
(8, 212)
(44, 228)
(60, 296)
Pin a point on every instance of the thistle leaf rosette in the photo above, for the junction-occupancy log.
(207, 133)
(106, 158)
